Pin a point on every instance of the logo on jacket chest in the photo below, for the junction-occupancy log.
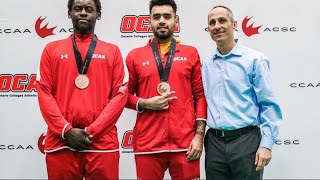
(94, 56)
(99, 56)
(145, 63)
(180, 59)
(64, 56)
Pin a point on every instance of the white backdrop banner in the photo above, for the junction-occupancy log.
(286, 31)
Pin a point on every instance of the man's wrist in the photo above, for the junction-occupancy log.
(142, 104)
(65, 129)
(200, 130)
(200, 133)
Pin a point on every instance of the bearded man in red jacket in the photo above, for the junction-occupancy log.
(165, 87)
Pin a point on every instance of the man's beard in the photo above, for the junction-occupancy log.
(162, 36)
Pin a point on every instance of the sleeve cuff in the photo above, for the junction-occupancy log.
(65, 129)
(201, 119)
(89, 130)
(137, 107)
(267, 142)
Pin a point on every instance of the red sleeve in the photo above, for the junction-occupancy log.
(112, 111)
(197, 89)
(48, 104)
(132, 85)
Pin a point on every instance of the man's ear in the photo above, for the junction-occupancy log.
(69, 16)
(98, 15)
(235, 25)
(176, 21)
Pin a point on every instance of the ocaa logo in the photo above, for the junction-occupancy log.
(17, 83)
(252, 29)
(127, 140)
(15, 147)
(304, 85)
(127, 143)
(139, 24)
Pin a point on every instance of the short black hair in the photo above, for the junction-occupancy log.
(172, 3)
(96, 2)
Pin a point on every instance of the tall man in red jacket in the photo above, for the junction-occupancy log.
(165, 87)
(82, 91)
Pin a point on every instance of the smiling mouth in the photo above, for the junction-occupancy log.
(218, 33)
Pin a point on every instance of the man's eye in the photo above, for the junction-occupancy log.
(89, 9)
(222, 20)
(212, 22)
(77, 9)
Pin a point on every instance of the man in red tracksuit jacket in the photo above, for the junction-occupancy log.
(82, 91)
(170, 101)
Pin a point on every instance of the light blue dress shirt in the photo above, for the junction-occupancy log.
(239, 93)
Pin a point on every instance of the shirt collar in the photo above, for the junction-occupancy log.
(235, 51)
(178, 41)
(82, 37)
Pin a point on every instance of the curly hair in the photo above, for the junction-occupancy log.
(96, 2)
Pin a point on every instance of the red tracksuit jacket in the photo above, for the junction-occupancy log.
(96, 108)
(171, 130)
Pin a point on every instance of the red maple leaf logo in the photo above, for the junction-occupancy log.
(249, 31)
(44, 31)
(41, 142)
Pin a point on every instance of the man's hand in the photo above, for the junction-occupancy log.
(195, 148)
(157, 102)
(78, 139)
(263, 157)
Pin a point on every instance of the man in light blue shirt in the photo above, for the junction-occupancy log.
(240, 97)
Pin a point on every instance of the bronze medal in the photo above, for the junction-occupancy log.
(82, 81)
(163, 87)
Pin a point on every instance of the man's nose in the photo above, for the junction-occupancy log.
(161, 19)
(83, 12)
(217, 25)
(216, 28)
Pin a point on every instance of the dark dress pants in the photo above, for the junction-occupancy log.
(232, 158)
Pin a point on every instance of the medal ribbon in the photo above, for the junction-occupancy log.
(83, 67)
(163, 73)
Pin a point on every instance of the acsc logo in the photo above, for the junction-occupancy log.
(250, 29)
